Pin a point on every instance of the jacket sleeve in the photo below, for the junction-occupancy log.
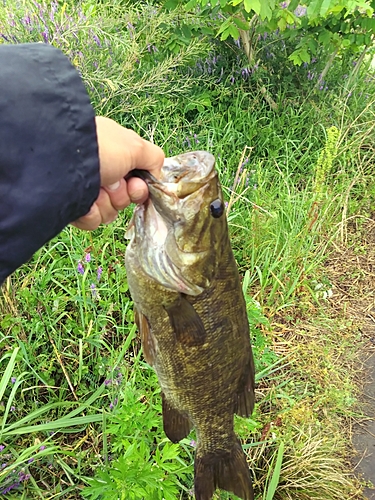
(49, 164)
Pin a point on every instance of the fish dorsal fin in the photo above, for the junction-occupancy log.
(148, 342)
(186, 323)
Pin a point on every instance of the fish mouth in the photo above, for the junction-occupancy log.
(181, 175)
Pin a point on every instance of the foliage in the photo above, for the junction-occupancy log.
(81, 411)
(120, 58)
(308, 31)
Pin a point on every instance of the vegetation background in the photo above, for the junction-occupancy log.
(286, 105)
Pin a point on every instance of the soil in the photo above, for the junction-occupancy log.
(364, 432)
(351, 270)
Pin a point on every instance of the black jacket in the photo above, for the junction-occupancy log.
(49, 164)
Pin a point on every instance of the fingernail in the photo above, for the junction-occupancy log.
(137, 195)
(114, 186)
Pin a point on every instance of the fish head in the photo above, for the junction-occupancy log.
(178, 231)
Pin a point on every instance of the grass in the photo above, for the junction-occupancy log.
(80, 409)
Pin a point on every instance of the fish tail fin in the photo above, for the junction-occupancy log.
(225, 469)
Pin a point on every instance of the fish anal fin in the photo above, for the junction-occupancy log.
(245, 397)
(176, 425)
(148, 342)
(223, 469)
(186, 323)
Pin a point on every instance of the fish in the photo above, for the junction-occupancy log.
(191, 314)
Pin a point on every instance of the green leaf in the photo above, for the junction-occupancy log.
(295, 58)
(304, 55)
(325, 37)
(281, 23)
(206, 30)
(254, 5)
(234, 33)
(243, 25)
(171, 4)
(266, 10)
(8, 372)
(61, 423)
(326, 4)
(271, 490)
(190, 5)
(186, 31)
(313, 9)
(224, 27)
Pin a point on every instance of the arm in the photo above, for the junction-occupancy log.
(49, 163)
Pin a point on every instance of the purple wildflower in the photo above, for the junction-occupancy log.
(99, 273)
(13, 380)
(31, 460)
(12, 408)
(108, 381)
(2, 447)
(87, 257)
(238, 42)
(10, 487)
(193, 443)
(310, 75)
(42, 447)
(96, 40)
(300, 11)
(112, 405)
(22, 476)
(226, 204)
(3, 466)
(284, 5)
(45, 36)
(80, 268)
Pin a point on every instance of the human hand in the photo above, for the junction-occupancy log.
(120, 151)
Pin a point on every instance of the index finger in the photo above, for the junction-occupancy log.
(144, 155)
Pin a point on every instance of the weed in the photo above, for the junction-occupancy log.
(80, 409)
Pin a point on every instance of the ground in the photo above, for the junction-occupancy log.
(352, 273)
(364, 432)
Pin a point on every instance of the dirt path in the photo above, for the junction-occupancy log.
(352, 273)
(364, 432)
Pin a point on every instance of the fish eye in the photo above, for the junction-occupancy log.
(217, 208)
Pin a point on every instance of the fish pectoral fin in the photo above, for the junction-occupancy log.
(245, 397)
(225, 469)
(176, 425)
(186, 323)
(148, 342)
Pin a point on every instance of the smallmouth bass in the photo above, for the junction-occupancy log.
(191, 314)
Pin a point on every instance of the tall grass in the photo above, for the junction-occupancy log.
(81, 412)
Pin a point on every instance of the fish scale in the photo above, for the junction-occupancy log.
(197, 341)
